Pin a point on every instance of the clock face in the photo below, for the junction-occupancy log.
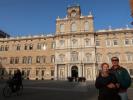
(73, 14)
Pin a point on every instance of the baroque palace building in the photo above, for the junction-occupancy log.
(75, 50)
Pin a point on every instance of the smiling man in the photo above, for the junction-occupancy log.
(122, 76)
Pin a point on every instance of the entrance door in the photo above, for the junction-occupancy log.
(74, 72)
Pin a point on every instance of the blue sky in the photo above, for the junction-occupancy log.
(33, 17)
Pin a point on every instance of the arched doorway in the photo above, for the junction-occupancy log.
(74, 71)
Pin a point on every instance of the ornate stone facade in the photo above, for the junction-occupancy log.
(75, 50)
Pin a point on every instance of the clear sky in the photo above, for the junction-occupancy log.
(33, 17)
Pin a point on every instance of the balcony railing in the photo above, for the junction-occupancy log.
(72, 61)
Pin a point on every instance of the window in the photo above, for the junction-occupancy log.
(62, 42)
(30, 47)
(99, 57)
(38, 46)
(74, 56)
(61, 57)
(11, 60)
(18, 47)
(53, 45)
(6, 48)
(86, 26)
(43, 59)
(117, 54)
(115, 42)
(129, 57)
(62, 28)
(25, 47)
(38, 59)
(131, 71)
(43, 46)
(87, 42)
(73, 27)
(88, 57)
(29, 60)
(24, 61)
(97, 43)
(2, 48)
(74, 43)
(52, 58)
(16, 60)
(108, 43)
(109, 56)
(127, 41)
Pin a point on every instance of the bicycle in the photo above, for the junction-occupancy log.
(8, 89)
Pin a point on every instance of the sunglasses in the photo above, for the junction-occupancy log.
(115, 60)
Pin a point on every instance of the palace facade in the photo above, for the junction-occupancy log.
(75, 50)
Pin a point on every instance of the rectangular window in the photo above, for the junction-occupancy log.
(108, 43)
(53, 45)
(38, 59)
(38, 46)
(25, 48)
(6, 48)
(115, 42)
(18, 47)
(97, 43)
(127, 42)
(131, 71)
(129, 57)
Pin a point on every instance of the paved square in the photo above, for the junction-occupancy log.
(55, 90)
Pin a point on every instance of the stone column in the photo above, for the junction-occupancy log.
(55, 72)
(83, 70)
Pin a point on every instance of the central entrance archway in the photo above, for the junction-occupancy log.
(74, 71)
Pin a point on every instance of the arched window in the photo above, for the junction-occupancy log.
(73, 27)
(61, 28)
(86, 26)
